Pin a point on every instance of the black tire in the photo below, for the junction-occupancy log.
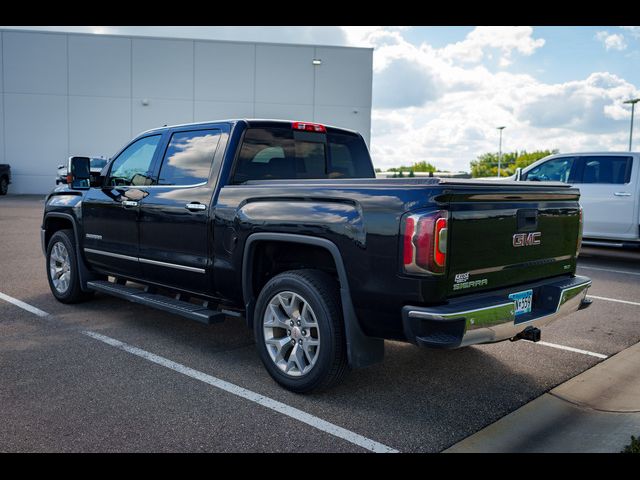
(321, 292)
(73, 292)
(4, 185)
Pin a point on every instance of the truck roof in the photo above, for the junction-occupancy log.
(251, 122)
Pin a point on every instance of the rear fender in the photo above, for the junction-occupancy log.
(362, 350)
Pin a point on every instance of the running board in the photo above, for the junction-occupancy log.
(611, 243)
(189, 310)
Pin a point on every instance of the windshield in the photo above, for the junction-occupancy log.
(98, 162)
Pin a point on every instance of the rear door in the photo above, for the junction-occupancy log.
(175, 230)
(608, 187)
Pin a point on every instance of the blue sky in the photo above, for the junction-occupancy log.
(568, 52)
(439, 92)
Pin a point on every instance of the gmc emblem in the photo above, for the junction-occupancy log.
(526, 239)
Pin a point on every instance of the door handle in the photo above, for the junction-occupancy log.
(129, 203)
(622, 194)
(194, 207)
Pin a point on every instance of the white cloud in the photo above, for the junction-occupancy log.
(634, 31)
(363, 36)
(506, 39)
(611, 41)
(404, 83)
(453, 117)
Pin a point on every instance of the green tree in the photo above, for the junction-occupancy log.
(411, 174)
(416, 167)
(423, 167)
(486, 165)
(633, 447)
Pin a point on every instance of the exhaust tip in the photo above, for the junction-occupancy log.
(585, 303)
(530, 333)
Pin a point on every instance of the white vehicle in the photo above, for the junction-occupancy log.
(609, 192)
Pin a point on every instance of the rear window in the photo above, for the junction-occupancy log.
(282, 153)
(602, 169)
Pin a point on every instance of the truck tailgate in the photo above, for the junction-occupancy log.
(514, 236)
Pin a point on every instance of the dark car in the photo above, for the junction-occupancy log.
(5, 178)
(285, 225)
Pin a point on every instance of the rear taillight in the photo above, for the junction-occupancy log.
(309, 127)
(409, 230)
(425, 243)
(580, 226)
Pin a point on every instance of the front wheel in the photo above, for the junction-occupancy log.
(299, 330)
(4, 186)
(62, 268)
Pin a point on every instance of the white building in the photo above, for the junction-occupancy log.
(76, 94)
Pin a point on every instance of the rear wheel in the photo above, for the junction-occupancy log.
(299, 330)
(62, 268)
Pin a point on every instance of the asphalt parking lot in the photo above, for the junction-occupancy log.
(175, 385)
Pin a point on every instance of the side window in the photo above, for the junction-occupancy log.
(557, 170)
(133, 165)
(189, 157)
(601, 169)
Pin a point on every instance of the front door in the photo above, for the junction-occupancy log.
(111, 213)
(175, 230)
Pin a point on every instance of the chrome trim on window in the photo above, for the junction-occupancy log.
(165, 186)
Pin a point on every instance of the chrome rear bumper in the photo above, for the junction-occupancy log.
(491, 317)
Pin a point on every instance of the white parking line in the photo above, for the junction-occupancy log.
(571, 349)
(609, 270)
(25, 306)
(267, 402)
(614, 300)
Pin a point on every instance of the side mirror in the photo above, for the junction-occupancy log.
(518, 174)
(79, 172)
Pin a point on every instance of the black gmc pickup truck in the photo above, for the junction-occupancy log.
(285, 224)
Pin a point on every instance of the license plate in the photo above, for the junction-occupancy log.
(522, 301)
